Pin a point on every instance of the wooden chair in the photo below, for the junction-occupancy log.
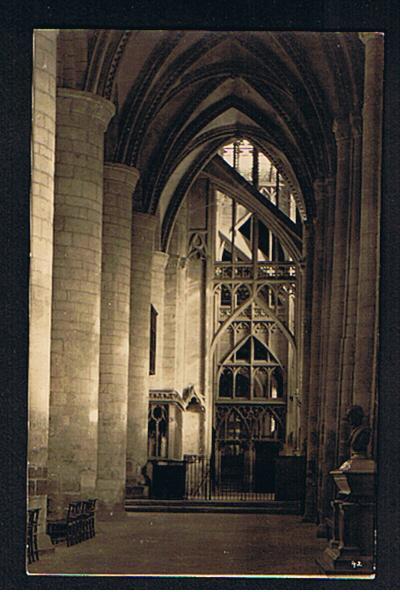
(69, 528)
(79, 522)
(32, 528)
(87, 522)
(91, 517)
(85, 525)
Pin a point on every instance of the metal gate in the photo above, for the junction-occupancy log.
(201, 484)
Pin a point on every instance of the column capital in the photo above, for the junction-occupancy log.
(322, 187)
(144, 219)
(341, 128)
(160, 259)
(176, 261)
(319, 188)
(86, 106)
(121, 173)
(324, 190)
(356, 124)
(47, 32)
(371, 36)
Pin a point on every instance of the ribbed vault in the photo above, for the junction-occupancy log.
(181, 95)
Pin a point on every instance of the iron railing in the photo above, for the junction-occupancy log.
(201, 483)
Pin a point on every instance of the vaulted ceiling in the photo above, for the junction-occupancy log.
(180, 95)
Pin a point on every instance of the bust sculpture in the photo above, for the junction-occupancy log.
(354, 503)
(360, 432)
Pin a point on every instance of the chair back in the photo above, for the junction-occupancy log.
(33, 519)
(74, 510)
(91, 505)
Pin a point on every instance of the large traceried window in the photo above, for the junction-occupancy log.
(258, 170)
(250, 372)
(242, 237)
(254, 288)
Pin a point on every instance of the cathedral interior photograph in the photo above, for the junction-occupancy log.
(203, 302)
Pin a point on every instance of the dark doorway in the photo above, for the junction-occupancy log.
(264, 466)
(232, 467)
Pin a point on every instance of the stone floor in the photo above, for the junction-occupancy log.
(196, 544)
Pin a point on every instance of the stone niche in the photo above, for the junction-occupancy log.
(181, 430)
(165, 425)
(194, 419)
(193, 429)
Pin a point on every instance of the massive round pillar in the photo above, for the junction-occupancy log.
(41, 246)
(119, 185)
(75, 348)
(143, 233)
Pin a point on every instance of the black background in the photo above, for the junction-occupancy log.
(17, 22)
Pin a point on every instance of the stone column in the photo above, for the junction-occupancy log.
(304, 359)
(81, 121)
(175, 303)
(160, 260)
(310, 511)
(342, 132)
(119, 184)
(367, 317)
(40, 279)
(143, 231)
(194, 324)
(329, 216)
(172, 304)
(352, 258)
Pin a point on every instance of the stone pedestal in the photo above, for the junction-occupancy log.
(351, 548)
(119, 185)
(75, 345)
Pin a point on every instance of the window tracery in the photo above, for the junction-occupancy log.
(258, 170)
(158, 430)
(255, 289)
